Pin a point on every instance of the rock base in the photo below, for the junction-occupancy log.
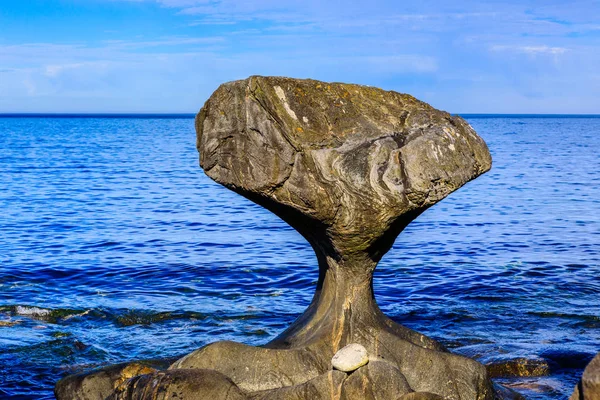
(397, 369)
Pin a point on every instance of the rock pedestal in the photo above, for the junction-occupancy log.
(349, 167)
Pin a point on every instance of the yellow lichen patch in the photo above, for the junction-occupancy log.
(518, 367)
(9, 323)
(132, 370)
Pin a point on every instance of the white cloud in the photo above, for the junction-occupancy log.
(544, 50)
(532, 50)
(167, 41)
(53, 71)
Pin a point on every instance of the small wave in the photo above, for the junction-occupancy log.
(119, 317)
(31, 311)
(49, 315)
(124, 318)
(556, 314)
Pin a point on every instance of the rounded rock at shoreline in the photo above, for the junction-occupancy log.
(588, 387)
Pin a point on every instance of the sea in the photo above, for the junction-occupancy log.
(115, 246)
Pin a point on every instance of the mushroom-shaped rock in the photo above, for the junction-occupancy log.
(349, 167)
(349, 358)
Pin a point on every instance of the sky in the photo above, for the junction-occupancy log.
(168, 56)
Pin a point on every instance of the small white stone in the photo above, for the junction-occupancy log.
(350, 358)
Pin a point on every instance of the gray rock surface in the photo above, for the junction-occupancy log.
(349, 167)
(99, 384)
(327, 386)
(350, 357)
(256, 368)
(588, 387)
(179, 384)
(378, 380)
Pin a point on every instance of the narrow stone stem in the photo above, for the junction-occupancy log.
(343, 299)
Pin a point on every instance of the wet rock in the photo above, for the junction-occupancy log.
(504, 393)
(588, 387)
(533, 386)
(179, 384)
(101, 383)
(518, 367)
(9, 323)
(566, 359)
(350, 358)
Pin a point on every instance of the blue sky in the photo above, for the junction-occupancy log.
(169, 55)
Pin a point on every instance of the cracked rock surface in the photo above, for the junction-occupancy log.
(349, 167)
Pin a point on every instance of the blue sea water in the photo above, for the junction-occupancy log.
(115, 246)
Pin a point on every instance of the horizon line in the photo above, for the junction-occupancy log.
(166, 115)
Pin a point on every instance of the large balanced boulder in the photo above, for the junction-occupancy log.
(349, 167)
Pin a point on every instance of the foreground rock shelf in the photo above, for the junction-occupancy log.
(349, 167)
